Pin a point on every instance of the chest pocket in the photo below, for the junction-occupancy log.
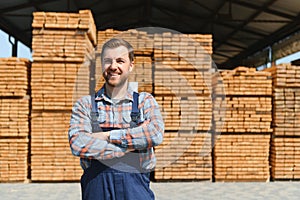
(126, 118)
(102, 117)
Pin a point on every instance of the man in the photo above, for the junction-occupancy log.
(118, 157)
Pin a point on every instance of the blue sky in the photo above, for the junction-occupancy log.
(6, 47)
(24, 51)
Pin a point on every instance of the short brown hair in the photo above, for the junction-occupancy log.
(116, 42)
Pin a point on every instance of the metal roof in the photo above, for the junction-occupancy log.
(240, 28)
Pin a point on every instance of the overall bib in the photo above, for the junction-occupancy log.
(116, 179)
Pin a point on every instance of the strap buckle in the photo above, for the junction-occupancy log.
(135, 116)
(94, 116)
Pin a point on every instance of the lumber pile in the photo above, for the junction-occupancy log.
(244, 119)
(60, 55)
(285, 75)
(184, 156)
(51, 158)
(248, 114)
(246, 99)
(14, 77)
(284, 159)
(142, 73)
(245, 81)
(186, 113)
(14, 159)
(14, 116)
(286, 118)
(62, 45)
(56, 86)
(286, 112)
(141, 41)
(182, 87)
(181, 73)
(255, 111)
(242, 157)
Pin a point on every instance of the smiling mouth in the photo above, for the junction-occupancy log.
(114, 75)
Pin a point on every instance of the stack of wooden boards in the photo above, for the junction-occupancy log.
(14, 116)
(285, 144)
(241, 152)
(62, 45)
(177, 70)
(182, 87)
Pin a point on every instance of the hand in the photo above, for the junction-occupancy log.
(101, 135)
(129, 150)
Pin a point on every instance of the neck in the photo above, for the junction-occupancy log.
(116, 92)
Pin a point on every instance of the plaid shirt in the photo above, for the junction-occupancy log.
(143, 138)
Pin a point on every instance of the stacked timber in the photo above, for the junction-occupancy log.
(14, 116)
(142, 73)
(63, 44)
(184, 156)
(248, 100)
(181, 79)
(285, 164)
(241, 150)
(182, 87)
(242, 157)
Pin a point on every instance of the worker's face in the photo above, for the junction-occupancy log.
(116, 66)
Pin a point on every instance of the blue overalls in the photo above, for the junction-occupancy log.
(118, 178)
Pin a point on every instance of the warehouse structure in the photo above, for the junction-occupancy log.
(244, 33)
(256, 111)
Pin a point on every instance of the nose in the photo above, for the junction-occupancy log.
(114, 65)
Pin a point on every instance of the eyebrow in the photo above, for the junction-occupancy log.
(118, 58)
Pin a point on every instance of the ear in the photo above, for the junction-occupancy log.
(131, 66)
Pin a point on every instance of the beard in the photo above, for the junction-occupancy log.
(115, 82)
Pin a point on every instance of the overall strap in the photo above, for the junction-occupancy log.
(94, 115)
(135, 113)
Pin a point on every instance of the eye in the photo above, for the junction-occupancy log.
(120, 61)
(107, 61)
